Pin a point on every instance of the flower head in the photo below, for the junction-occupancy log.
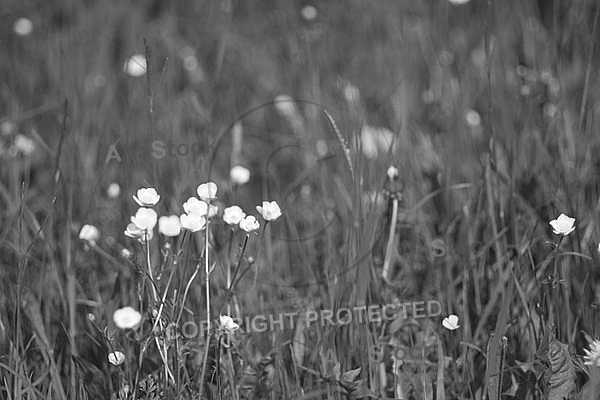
(143, 235)
(23, 26)
(145, 218)
(169, 226)
(233, 215)
(126, 318)
(116, 358)
(207, 191)
(193, 222)
(563, 225)
(227, 323)
(146, 197)
(195, 206)
(270, 211)
(113, 190)
(592, 356)
(392, 172)
(249, 224)
(451, 322)
(89, 233)
(239, 175)
(135, 66)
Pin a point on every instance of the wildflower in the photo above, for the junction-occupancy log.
(392, 172)
(212, 210)
(270, 211)
(143, 235)
(193, 222)
(147, 197)
(233, 215)
(249, 224)
(24, 145)
(563, 225)
(207, 191)
(451, 322)
(309, 13)
(89, 233)
(239, 175)
(113, 190)
(598, 248)
(195, 206)
(23, 27)
(116, 358)
(592, 356)
(145, 218)
(227, 323)
(135, 66)
(126, 318)
(169, 226)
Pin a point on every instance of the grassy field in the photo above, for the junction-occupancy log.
(421, 153)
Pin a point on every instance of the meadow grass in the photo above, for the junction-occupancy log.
(488, 112)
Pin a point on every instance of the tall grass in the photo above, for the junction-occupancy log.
(492, 109)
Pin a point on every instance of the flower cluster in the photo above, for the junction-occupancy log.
(197, 213)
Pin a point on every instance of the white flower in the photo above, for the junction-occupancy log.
(233, 215)
(227, 323)
(598, 248)
(207, 191)
(146, 197)
(270, 211)
(195, 206)
(193, 222)
(212, 210)
(23, 27)
(113, 190)
(145, 218)
(143, 235)
(309, 13)
(169, 226)
(451, 322)
(89, 233)
(592, 356)
(24, 145)
(126, 318)
(239, 175)
(563, 225)
(116, 358)
(135, 65)
(392, 172)
(249, 224)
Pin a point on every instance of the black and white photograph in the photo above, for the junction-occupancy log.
(300, 199)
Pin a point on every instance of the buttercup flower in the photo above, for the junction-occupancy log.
(113, 190)
(89, 233)
(592, 356)
(145, 218)
(563, 225)
(23, 26)
(195, 206)
(146, 197)
(135, 65)
(227, 323)
(126, 318)
(451, 322)
(270, 211)
(116, 358)
(207, 191)
(193, 222)
(169, 226)
(249, 224)
(239, 175)
(392, 172)
(143, 235)
(233, 215)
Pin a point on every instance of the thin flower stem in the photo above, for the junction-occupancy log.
(149, 265)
